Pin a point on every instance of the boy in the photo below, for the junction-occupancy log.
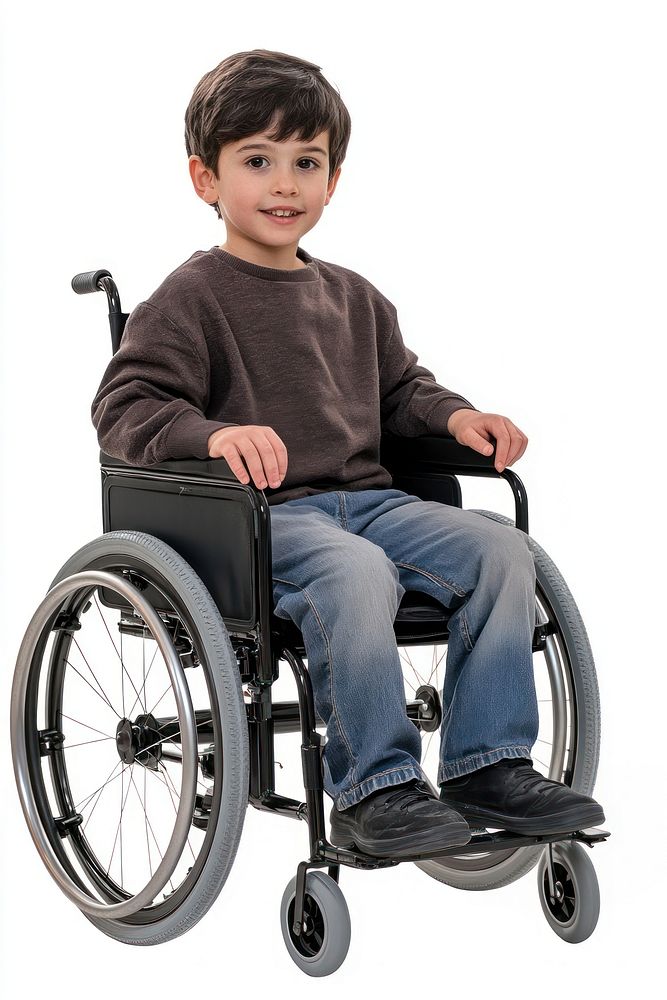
(257, 352)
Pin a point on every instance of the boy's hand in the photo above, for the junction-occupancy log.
(475, 429)
(263, 451)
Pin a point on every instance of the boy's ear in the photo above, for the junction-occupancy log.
(201, 178)
(332, 185)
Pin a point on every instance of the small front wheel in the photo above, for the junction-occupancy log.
(324, 940)
(572, 908)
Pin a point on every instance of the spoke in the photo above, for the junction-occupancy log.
(147, 823)
(86, 726)
(143, 686)
(153, 832)
(409, 683)
(437, 663)
(168, 776)
(86, 681)
(164, 739)
(100, 790)
(122, 783)
(93, 673)
(428, 742)
(98, 799)
(148, 844)
(122, 679)
(160, 699)
(178, 759)
(406, 659)
(70, 746)
(117, 653)
(87, 798)
(118, 829)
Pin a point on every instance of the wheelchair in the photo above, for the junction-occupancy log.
(143, 723)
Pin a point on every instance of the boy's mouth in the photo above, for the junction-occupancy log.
(281, 218)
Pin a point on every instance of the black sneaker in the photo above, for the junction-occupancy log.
(403, 819)
(512, 795)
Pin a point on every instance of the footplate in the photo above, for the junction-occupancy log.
(502, 840)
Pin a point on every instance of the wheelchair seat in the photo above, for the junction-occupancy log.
(419, 618)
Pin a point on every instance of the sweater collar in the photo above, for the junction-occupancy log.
(308, 273)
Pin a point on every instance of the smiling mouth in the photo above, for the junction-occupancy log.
(282, 218)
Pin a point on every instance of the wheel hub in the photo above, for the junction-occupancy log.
(430, 714)
(139, 741)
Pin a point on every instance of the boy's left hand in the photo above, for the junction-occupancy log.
(475, 429)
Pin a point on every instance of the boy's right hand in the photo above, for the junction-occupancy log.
(263, 451)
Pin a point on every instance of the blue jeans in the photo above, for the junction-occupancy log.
(341, 564)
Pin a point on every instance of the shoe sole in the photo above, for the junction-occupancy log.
(453, 835)
(565, 821)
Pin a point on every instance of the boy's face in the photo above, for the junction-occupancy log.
(256, 174)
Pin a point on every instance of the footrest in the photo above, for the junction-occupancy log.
(594, 835)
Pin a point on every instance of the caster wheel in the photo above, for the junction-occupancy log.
(322, 945)
(574, 911)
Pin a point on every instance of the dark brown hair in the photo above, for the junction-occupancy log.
(247, 91)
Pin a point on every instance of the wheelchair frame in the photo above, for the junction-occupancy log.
(180, 502)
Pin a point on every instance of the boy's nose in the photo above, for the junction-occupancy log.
(285, 184)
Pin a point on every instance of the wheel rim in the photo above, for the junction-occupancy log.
(563, 907)
(310, 941)
(72, 596)
(557, 721)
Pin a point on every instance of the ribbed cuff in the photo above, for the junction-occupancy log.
(189, 434)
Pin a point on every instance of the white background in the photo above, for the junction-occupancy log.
(505, 188)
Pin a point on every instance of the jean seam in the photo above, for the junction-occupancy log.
(485, 753)
(436, 579)
(353, 756)
(343, 511)
(465, 631)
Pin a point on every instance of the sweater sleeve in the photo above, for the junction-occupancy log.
(150, 404)
(411, 401)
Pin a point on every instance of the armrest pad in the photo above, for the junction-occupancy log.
(432, 452)
(206, 468)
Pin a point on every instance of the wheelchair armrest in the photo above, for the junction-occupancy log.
(203, 468)
(433, 457)
(433, 452)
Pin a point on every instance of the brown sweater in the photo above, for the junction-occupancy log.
(316, 353)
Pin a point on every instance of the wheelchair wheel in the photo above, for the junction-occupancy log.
(324, 941)
(568, 743)
(109, 754)
(572, 907)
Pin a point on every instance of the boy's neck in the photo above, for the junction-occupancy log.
(284, 258)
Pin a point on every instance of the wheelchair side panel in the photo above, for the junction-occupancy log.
(217, 538)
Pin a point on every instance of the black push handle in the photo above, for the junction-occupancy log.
(87, 281)
(101, 281)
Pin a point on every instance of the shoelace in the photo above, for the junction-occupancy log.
(407, 792)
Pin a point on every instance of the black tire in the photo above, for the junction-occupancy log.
(155, 562)
(579, 698)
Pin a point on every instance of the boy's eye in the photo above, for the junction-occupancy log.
(305, 159)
